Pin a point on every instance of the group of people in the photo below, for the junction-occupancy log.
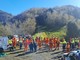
(26, 43)
(34, 45)
(71, 45)
(49, 43)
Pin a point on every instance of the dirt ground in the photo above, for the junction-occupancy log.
(39, 55)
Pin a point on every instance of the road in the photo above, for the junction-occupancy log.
(39, 55)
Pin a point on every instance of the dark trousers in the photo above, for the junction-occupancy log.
(63, 47)
(72, 46)
(20, 45)
(35, 48)
(31, 47)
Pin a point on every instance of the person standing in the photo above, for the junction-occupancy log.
(68, 47)
(50, 44)
(76, 42)
(58, 43)
(46, 40)
(63, 44)
(34, 46)
(14, 42)
(10, 44)
(72, 44)
(55, 43)
(31, 47)
(39, 44)
(20, 42)
(25, 44)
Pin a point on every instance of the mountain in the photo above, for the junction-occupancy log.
(43, 19)
(4, 17)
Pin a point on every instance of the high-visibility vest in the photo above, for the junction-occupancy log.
(77, 40)
(64, 42)
(9, 41)
(72, 41)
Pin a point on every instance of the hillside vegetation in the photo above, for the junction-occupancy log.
(49, 20)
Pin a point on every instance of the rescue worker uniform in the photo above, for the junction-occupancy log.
(63, 45)
(10, 45)
(72, 44)
(76, 43)
(67, 48)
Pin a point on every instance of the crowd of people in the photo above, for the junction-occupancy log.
(49, 43)
(34, 45)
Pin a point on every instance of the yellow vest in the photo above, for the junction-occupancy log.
(72, 41)
(77, 40)
(64, 42)
(9, 41)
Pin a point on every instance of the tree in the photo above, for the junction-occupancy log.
(28, 27)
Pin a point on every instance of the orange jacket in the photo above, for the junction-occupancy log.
(47, 40)
(54, 41)
(14, 41)
(50, 43)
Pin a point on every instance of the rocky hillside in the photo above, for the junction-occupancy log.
(4, 17)
(43, 19)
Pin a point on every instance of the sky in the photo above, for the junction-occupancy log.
(18, 6)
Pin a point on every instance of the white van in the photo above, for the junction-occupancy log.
(4, 42)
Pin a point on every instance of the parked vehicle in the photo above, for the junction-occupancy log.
(73, 55)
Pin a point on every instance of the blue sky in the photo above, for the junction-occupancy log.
(17, 6)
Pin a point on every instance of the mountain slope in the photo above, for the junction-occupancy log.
(5, 17)
(42, 19)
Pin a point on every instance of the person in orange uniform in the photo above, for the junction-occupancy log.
(47, 41)
(55, 42)
(14, 42)
(39, 44)
(58, 43)
(68, 47)
(25, 42)
(50, 44)
(36, 39)
(30, 40)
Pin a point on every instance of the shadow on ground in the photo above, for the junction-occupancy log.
(15, 52)
(22, 54)
(45, 51)
(57, 55)
(56, 52)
